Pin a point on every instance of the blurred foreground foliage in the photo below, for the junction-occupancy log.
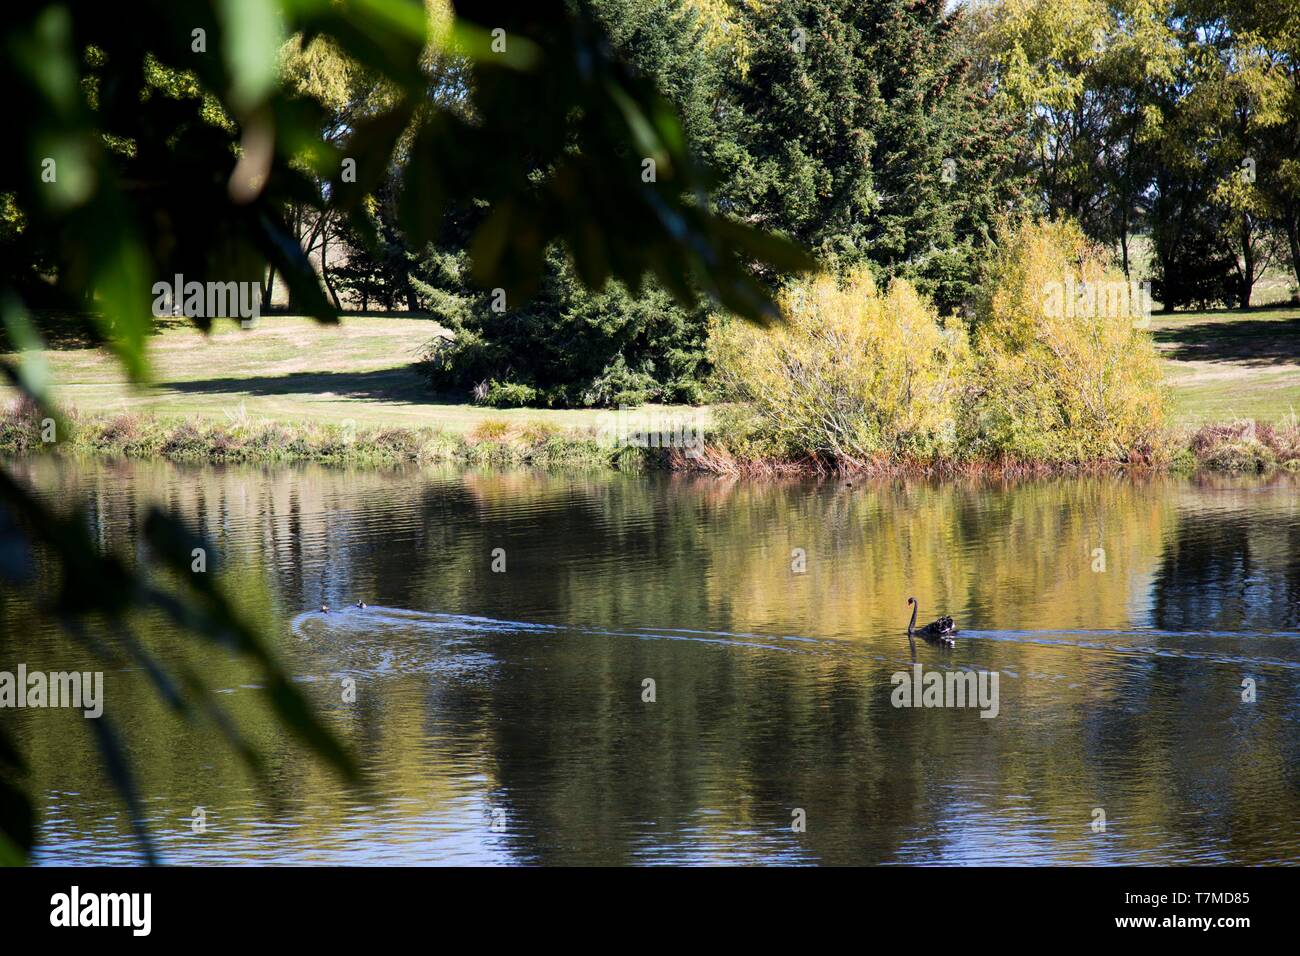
(165, 142)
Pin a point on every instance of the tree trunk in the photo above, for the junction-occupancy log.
(1248, 263)
(1292, 221)
(325, 269)
(296, 220)
(268, 289)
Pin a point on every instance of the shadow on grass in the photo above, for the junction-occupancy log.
(74, 331)
(60, 331)
(400, 386)
(1247, 341)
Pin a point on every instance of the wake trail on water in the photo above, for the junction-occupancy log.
(371, 623)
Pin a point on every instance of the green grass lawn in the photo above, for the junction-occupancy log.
(1222, 365)
(286, 368)
(1226, 365)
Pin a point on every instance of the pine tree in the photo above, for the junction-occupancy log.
(865, 131)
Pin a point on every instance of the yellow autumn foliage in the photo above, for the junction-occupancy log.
(1065, 370)
(852, 375)
(1057, 367)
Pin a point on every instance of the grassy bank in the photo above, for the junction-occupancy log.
(1239, 447)
(196, 440)
(1242, 446)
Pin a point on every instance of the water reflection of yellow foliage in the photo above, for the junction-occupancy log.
(1019, 559)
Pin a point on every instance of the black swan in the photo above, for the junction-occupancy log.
(939, 631)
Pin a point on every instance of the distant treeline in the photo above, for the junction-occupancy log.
(870, 133)
(889, 135)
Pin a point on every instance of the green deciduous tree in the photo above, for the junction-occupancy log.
(1174, 118)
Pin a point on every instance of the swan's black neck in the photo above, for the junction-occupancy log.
(912, 623)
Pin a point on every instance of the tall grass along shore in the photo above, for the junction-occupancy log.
(1242, 446)
(195, 440)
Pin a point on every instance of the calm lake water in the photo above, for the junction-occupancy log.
(500, 715)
